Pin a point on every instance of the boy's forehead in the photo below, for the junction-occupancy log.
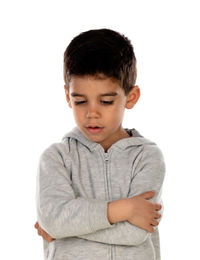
(97, 76)
(101, 84)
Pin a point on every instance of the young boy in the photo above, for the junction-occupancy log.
(99, 189)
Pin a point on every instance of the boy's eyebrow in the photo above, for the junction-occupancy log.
(74, 94)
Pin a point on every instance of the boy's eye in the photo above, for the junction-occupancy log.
(107, 102)
(103, 101)
(78, 102)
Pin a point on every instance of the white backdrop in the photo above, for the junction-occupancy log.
(34, 112)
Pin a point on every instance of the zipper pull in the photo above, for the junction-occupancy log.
(106, 156)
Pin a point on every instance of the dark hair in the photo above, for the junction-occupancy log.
(101, 51)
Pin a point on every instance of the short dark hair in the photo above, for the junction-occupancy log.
(101, 51)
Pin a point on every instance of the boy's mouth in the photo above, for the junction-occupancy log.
(94, 129)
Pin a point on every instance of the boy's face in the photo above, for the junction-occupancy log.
(93, 104)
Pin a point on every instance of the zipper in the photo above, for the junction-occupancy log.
(106, 158)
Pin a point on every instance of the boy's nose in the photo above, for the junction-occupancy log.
(93, 112)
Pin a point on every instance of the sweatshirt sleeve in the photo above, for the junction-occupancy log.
(148, 175)
(59, 212)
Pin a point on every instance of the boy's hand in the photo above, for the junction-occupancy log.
(143, 213)
(44, 234)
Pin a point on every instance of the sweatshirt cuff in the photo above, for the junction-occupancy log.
(98, 218)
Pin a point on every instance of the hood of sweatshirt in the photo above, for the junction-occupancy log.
(135, 139)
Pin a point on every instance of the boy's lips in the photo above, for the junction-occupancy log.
(94, 125)
(94, 129)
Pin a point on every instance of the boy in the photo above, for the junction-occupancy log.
(99, 189)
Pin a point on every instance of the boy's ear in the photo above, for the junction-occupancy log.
(67, 96)
(132, 97)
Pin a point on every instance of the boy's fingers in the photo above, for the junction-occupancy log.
(36, 225)
(158, 206)
(39, 233)
(50, 239)
(148, 194)
(43, 233)
(157, 216)
(154, 223)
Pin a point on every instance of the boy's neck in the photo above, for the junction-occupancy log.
(123, 135)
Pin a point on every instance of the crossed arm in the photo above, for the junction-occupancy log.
(61, 214)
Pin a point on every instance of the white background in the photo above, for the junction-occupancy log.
(34, 112)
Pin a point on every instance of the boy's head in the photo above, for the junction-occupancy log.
(101, 51)
(98, 62)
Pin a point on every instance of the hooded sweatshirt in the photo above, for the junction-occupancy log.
(76, 179)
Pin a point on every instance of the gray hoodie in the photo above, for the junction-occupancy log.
(76, 179)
